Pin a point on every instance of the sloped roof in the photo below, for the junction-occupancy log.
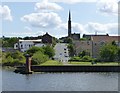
(105, 38)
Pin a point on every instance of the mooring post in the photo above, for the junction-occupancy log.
(28, 64)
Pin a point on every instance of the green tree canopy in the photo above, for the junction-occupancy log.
(9, 42)
(108, 52)
(39, 58)
(84, 53)
(34, 49)
(48, 50)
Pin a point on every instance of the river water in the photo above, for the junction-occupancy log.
(59, 81)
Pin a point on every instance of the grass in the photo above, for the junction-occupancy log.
(52, 63)
(98, 63)
(57, 63)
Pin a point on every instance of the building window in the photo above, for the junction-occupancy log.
(21, 46)
(64, 48)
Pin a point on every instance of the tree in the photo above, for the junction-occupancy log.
(39, 58)
(68, 40)
(84, 53)
(48, 50)
(17, 55)
(118, 54)
(34, 49)
(114, 43)
(71, 50)
(9, 42)
(108, 52)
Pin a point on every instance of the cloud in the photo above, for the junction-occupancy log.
(89, 28)
(5, 13)
(23, 34)
(45, 6)
(109, 7)
(44, 20)
(110, 28)
(72, 1)
(27, 28)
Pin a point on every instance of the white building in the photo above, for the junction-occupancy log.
(61, 52)
(24, 45)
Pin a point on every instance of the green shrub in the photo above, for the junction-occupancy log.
(87, 59)
(13, 59)
(78, 59)
(83, 59)
(34, 49)
(39, 58)
(48, 50)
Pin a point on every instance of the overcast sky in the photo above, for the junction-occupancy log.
(36, 18)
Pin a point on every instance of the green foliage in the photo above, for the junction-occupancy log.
(0, 42)
(114, 43)
(48, 50)
(82, 59)
(68, 40)
(39, 58)
(77, 59)
(0, 53)
(9, 42)
(13, 59)
(71, 49)
(52, 63)
(55, 40)
(83, 39)
(9, 59)
(118, 54)
(108, 53)
(84, 53)
(34, 49)
(87, 59)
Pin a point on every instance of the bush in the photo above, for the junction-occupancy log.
(83, 59)
(48, 50)
(34, 49)
(39, 58)
(78, 59)
(13, 59)
(108, 52)
(87, 59)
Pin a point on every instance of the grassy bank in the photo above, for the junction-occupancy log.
(97, 64)
(51, 63)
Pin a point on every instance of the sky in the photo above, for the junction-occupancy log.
(20, 19)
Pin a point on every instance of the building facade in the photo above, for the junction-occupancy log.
(95, 43)
(47, 38)
(24, 45)
(61, 52)
(99, 41)
(83, 46)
